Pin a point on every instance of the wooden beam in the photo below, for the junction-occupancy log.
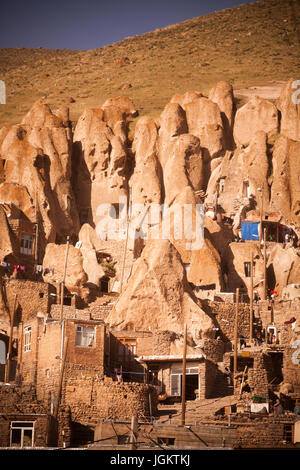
(183, 377)
(133, 432)
(12, 319)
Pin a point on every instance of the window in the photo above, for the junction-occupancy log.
(130, 345)
(176, 385)
(221, 185)
(27, 338)
(247, 268)
(246, 189)
(2, 352)
(85, 336)
(167, 441)
(26, 244)
(21, 434)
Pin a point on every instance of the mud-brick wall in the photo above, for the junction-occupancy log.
(224, 315)
(41, 427)
(268, 433)
(213, 349)
(290, 369)
(32, 297)
(258, 377)
(96, 312)
(207, 373)
(91, 399)
(20, 404)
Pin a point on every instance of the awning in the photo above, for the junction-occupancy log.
(189, 357)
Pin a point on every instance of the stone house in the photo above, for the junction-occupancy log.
(165, 372)
(40, 351)
(20, 242)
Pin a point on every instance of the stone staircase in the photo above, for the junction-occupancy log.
(196, 412)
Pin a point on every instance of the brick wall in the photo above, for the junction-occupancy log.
(92, 398)
(21, 404)
(94, 312)
(32, 297)
(224, 314)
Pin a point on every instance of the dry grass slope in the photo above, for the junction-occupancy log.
(253, 44)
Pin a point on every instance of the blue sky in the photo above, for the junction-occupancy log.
(58, 24)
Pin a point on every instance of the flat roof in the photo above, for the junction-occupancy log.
(189, 357)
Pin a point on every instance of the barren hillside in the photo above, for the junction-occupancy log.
(256, 44)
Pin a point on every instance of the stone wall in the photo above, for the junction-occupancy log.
(21, 404)
(258, 376)
(291, 371)
(207, 376)
(264, 433)
(90, 399)
(224, 314)
(32, 297)
(94, 312)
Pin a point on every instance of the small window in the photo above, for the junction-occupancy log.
(21, 434)
(175, 385)
(27, 339)
(221, 185)
(167, 441)
(26, 244)
(130, 345)
(246, 189)
(85, 336)
(247, 268)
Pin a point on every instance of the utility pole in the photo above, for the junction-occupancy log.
(265, 266)
(59, 389)
(261, 213)
(251, 299)
(133, 433)
(12, 318)
(183, 377)
(236, 334)
(63, 281)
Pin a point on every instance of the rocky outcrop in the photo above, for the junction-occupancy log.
(205, 122)
(290, 110)
(283, 267)
(146, 180)
(186, 98)
(158, 296)
(285, 196)
(6, 243)
(172, 123)
(222, 94)
(54, 262)
(100, 165)
(256, 115)
(37, 156)
(236, 184)
(184, 167)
